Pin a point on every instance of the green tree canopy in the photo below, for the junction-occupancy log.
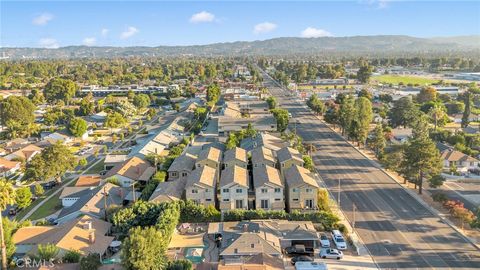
(143, 249)
(58, 89)
(77, 126)
(141, 100)
(23, 197)
(17, 114)
(52, 162)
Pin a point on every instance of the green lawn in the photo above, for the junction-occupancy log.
(396, 79)
(49, 207)
(97, 168)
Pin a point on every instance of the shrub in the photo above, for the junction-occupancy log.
(90, 262)
(179, 265)
(72, 256)
(440, 197)
(341, 227)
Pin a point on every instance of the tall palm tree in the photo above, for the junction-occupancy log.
(7, 196)
(436, 112)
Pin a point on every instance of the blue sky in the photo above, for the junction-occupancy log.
(154, 23)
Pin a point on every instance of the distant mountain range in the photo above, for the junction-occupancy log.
(288, 46)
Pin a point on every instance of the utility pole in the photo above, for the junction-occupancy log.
(354, 216)
(338, 196)
(105, 202)
(133, 192)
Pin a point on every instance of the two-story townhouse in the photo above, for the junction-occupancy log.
(302, 189)
(234, 188)
(268, 188)
(201, 185)
(262, 157)
(235, 157)
(212, 157)
(288, 157)
(181, 167)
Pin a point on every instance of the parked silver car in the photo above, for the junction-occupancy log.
(331, 253)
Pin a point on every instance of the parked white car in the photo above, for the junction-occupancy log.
(339, 240)
(331, 253)
(324, 242)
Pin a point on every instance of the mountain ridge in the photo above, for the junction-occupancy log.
(349, 45)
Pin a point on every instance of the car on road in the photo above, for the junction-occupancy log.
(339, 240)
(324, 242)
(303, 258)
(331, 253)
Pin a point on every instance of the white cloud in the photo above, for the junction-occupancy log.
(312, 32)
(202, 17)
(89, 41)
(49, 43)
(264, 27)
(42, 19)
(105, 32)
(129, 32)
(378, 4)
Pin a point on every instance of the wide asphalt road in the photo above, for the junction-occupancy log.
(398, 231)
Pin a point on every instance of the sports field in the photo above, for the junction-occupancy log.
(397, 79)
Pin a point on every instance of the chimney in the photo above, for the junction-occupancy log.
(245, 228)
(91, 236)
(87, 225)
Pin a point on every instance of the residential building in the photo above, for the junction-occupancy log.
(212, 157)
(91, 202)
(25, 153)
(235, 157)
(288, 157)
(458, 161)
(263, 139)
(169, 191)
(228, 124)
(85, 234)
(201, 185)
(266, 236)
(269, 189)
(302, 189)
(113, 160)
(182, 167)
(401, 135)
(8, 168)
(55, 137)
(260, 261)
(88, 180)
(262, 156)
(131, 171)
(234, 185)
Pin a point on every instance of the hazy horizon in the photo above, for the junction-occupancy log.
(44, 24)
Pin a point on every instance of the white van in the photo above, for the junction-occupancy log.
(339, 240)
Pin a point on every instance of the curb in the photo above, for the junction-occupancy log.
(412, 193)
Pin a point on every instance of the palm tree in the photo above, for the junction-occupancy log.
(436, 112)
(7, 196)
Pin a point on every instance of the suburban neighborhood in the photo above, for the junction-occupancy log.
(322, 151)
